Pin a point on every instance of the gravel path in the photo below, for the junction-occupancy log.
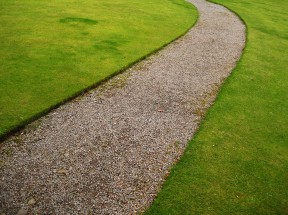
(107, 152)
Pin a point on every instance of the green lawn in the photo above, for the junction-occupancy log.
(53, 49)
(238, 161)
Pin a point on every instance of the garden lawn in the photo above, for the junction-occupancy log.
(52, 50)
(238, 161)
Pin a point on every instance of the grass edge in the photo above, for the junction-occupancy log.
(14, 129)
(202, 120)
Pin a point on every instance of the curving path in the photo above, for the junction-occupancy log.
(108, 151)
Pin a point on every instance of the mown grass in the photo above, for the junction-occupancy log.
(51, 50)
(238, 161)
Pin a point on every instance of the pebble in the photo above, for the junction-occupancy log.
(32, 201)
(22, 211)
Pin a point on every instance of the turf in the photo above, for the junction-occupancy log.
(238, 161)
(52, 50)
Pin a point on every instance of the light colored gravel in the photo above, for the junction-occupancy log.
(107, 152)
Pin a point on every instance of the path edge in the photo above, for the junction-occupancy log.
(203, 118)
(22, 125)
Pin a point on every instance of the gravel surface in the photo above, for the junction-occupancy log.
(108, 151)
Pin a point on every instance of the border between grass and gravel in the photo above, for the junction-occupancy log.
(199, 127)
(233, 69)
(246, 28)
(33, 118)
